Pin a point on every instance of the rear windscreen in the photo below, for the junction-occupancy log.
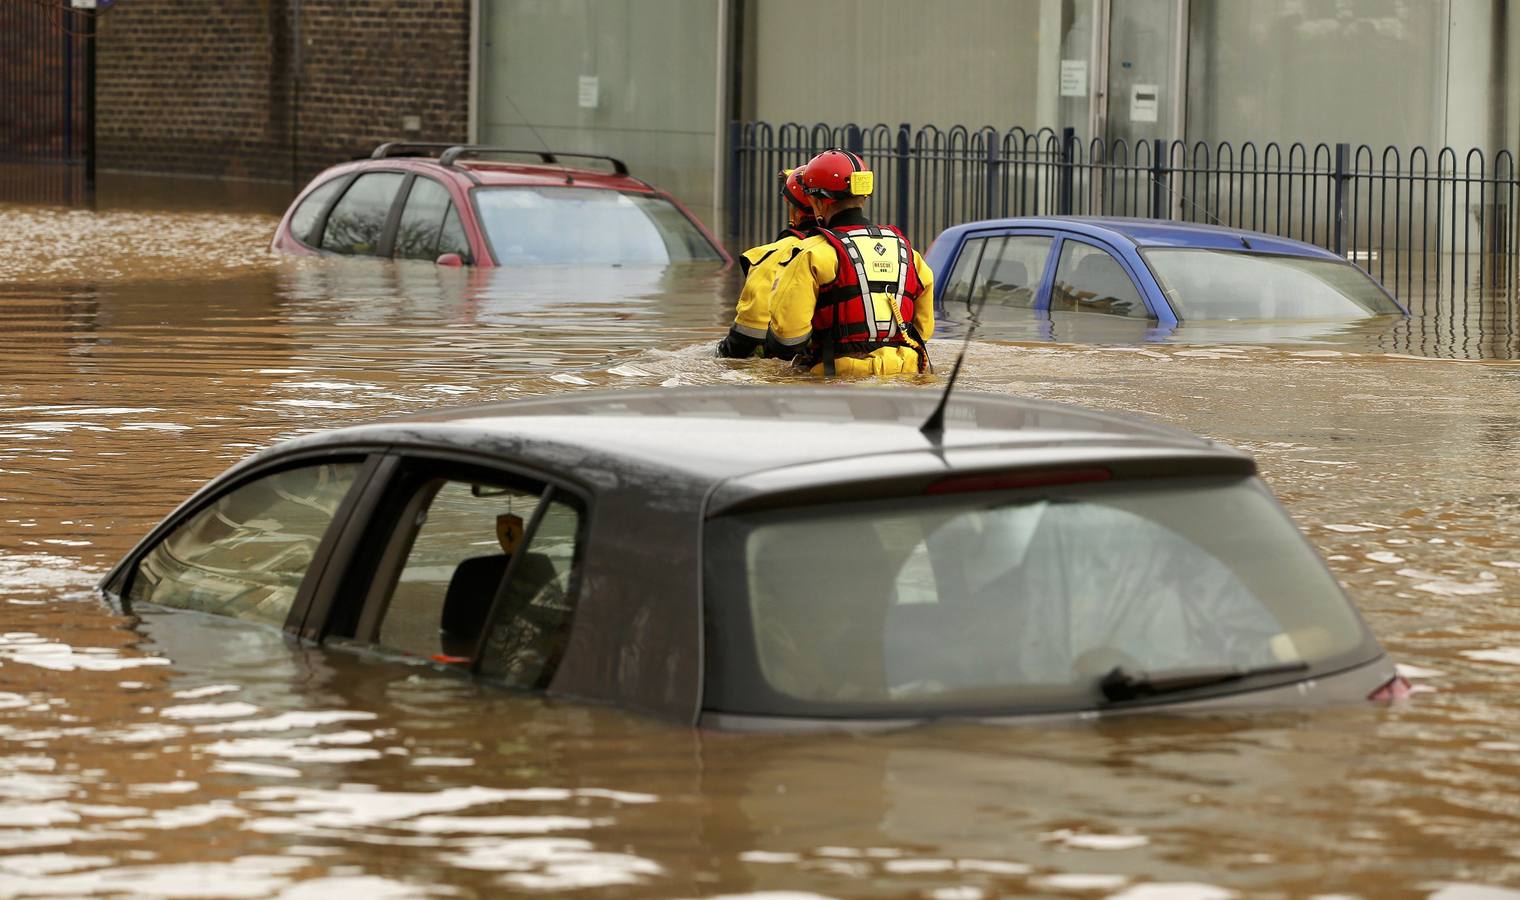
(1011, 601)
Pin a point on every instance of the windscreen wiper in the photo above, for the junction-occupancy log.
(1120, 685)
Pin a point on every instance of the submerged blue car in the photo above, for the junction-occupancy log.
(1146, 269)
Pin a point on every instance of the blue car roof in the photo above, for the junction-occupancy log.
(1144, 233)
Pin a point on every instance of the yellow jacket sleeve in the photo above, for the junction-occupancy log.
(923, 307)
(763, 265)
(796, 291)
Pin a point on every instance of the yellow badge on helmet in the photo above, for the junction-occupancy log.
(862, 183)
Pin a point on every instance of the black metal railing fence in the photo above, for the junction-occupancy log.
(1421, 221)
(47, 129)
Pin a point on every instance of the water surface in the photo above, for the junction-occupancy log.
(144, 350)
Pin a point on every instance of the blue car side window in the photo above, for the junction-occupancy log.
(1090, 279)
(1010, 270)
(1001, 270)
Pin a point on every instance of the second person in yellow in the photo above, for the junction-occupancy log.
(762, 267)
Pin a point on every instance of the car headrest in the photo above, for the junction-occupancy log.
(1011, 272)
(1099, 273)
(471, 590)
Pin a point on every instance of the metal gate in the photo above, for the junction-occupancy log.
(47, 102)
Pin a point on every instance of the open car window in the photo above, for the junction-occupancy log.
(1011, 601)
(473, 563)
(247, 553)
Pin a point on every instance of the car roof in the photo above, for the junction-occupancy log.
(818, 435)
(1144, 233)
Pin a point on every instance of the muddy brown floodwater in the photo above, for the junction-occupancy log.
(141, 352)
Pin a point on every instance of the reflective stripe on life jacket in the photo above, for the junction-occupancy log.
(874, 293)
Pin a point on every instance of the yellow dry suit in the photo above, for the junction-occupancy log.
(857, 300)
(762, 267)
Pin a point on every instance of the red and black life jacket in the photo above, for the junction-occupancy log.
(870, 303)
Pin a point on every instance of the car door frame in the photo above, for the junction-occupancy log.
(456, 198)
(319, 225)
(392, 216)
(116, 585)
(360, 549)
(1042, 286)
(1129, 260)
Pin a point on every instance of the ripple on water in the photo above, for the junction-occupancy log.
(247, 740)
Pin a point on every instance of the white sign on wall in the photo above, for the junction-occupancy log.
(1143, 101)
(1073, 78)
(590, 91)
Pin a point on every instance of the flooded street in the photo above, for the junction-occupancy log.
(141, 353)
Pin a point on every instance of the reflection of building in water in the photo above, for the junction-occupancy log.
(532, 302)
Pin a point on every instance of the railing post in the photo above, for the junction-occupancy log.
(904, 133)
(1068, 155)
(993, 160)
(1342, 165)
(88, 113)
(852, 140)
(1159, 170)
(735, 133)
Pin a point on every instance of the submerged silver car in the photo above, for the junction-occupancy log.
(780, 558)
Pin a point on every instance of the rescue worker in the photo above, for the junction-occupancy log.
(762, 266)
(857, 299)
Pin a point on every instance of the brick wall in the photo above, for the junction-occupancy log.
(210, 88)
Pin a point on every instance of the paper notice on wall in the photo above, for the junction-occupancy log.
(1143, 101)
(1073, 78)
(590, 91)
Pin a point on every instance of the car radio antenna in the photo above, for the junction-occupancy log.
(934, 426)
(536, 136)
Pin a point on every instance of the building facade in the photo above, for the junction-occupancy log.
(275, 89)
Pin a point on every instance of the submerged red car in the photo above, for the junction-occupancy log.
(457, 204)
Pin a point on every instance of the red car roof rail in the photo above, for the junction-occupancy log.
(551, 157)
(409, 148)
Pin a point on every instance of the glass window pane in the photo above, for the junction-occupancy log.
(356, 223)
(533, 626)
(245, 554)
(1090, 279)
(1010, 271)
(464, 535)
(1015, 600)
(453, 239)
(575, 225)
(421, 219)
(957, 288)
(307, 213)
(1219, 284)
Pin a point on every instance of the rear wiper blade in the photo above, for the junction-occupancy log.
(1120, 685)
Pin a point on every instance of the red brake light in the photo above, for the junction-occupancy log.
(1397, 688)
(966, 484)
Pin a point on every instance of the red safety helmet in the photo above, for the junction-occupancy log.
(792, 190)
(837, 175)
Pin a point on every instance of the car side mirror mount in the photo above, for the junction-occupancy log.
(450, 259)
